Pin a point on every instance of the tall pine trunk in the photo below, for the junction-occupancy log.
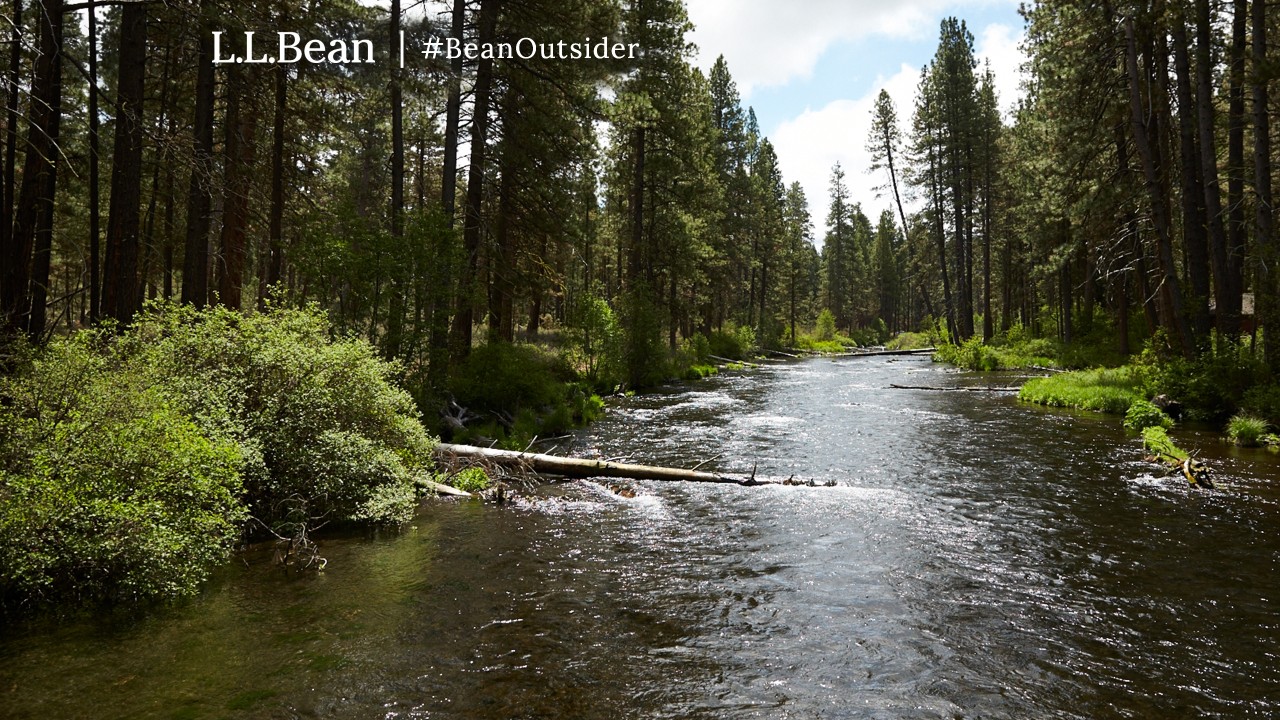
(120, 272)
(195, 263)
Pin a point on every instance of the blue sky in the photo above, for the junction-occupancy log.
(811, 69)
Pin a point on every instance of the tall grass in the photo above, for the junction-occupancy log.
(1101, 390)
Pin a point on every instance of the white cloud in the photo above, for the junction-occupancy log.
(768, 43)
(815, 140)
(1002, 47)
(812, 142)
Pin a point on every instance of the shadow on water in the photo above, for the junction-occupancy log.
(978, 558)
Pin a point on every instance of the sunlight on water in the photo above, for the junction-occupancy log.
(976, 558)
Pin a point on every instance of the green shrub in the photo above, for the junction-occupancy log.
(825, 330)
(1263, 401)
(1246, 430)
(107, 491)
(323, 430)
(1101, 390)
(472, 479)
(735, 342)
(1212, 386)
(130, 462)
(1142, 414)
(909, 341)
(1156, 441)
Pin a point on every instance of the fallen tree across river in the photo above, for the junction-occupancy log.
(580, 468)
(987, 388)
(874, 353)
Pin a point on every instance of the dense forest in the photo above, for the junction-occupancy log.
(434, 204)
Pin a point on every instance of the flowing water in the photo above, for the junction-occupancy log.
(978, 558)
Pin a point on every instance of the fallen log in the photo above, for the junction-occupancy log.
(441, 488)
(988, 388)
(579, 468)
(871, 353)
(729, 361)
(783, 354)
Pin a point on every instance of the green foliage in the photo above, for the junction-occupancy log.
(1142, 414)
(1212, 386)
(529, 391)
(1246, 430)
(1263, 401)
(596, 343)
(1156, 441)
(324, 431)
(107, 491)
(1003, 354)
(471, 479)
(909, 341)
(129, 463)
(1101, 390)
(735, 342)
(825, 331)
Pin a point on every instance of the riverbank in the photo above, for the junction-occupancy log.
(1226, 387)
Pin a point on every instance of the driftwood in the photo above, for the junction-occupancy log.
(579, 468)
(989, 388)
(730, 361)
(783, 354)
(871, 353)
(441, 488)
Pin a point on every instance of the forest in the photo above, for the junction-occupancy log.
(511, 236)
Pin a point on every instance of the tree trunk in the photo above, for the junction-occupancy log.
(242, 125)
(463, 314)
(120, 271)
(1193, 212)
(26, 276)
(275, 223)
(1235, 148)
(8, 192)
(577, 468)
(1228, 297)
(95, 204)
(1267, 298)
(195, 263)
(1149, 152)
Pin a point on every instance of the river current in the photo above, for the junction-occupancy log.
(977, 558)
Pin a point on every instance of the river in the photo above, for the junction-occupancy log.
(978, 558)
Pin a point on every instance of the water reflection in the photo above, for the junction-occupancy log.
(978, 558)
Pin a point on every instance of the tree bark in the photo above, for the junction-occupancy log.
(578, 468)
(195, 263)
(1228, 296)
(1149, 152)
(26, 276)
(1194, 227)
(1267, 298)
(241, 147)
(120, 271)
(472, 229)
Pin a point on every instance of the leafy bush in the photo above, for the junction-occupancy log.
(1142, 414)
(528, 391)
(323, 430)
(1156, 441)
(106, 490)
(825, 330)
(1246, 430)
(1101, 390)
(1212, 386)
(1263, 401)
(909, 341)
(735, 342)
(1001, 354)
(129, 463)
(472, 479)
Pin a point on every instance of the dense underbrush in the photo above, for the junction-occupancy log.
(132, 462)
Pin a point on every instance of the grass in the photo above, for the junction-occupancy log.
(1246, 430)
(1101, 390)
(975, 355)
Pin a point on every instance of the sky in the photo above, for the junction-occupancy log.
(811, 69)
